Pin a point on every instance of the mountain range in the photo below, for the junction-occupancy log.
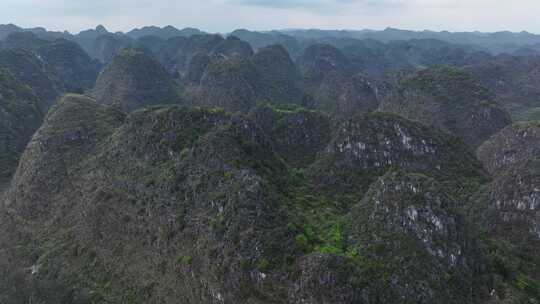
(293, 166)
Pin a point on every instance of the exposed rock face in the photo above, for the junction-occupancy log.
(71, 129)
(510, 210)
(514, 204)
(20, 116)
(512, 147)
(209, 194)
(327, 278)
(30, 70)
(133, 80)
(280, 79)
(451, 100)
(197, 206)
(513, 198)
(413, 231)
(366, 146)
(259, 200)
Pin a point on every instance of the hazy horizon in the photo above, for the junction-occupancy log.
(261, 15)
(111, 30)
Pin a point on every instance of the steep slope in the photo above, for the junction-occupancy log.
(196, 68)
(177, 52)
(230, 83)
(232, 46)
(297, 135)
(260, 40)
(63, 61)
(332, 79)
(319, 60)
(510, 211)
(513, 156)
(191, 205)
(416, 243)
(346, 96)
(168, 53)
(75, 69)
(87, 38)
(514, 213)
(30, 70)
(20, 116)
(150, 43)
(133, 80)
(186, 151)
(511, 147)
(239, 83)
(364, 147)
(280, 79)
(106, 46)
(513, 80)
(451, 100)
(71, 129)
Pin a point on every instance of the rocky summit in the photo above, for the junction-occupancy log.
(167, 165)
(450, 99)
(208, 196)
(133, 80)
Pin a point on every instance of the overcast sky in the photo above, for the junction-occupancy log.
(227, 15)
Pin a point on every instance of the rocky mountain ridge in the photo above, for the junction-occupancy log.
(265, 168)
(256, 232)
